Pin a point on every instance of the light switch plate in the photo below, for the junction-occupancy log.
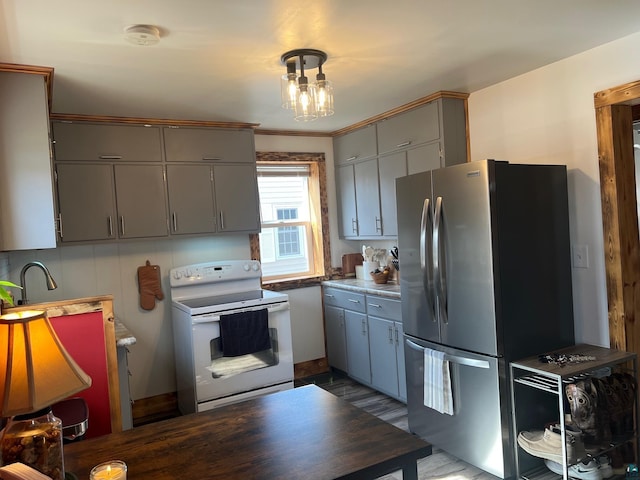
(580, 256)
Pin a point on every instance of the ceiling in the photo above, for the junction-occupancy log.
(219, 60)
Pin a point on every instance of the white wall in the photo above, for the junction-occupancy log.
(548, 116)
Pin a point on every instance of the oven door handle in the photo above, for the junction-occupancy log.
(215, 317)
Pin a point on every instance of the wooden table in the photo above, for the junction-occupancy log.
(301, 433)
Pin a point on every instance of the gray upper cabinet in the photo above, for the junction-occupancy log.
(236, 197)
(26, 185)
(410, 128)
(368, 198)
(354, 146)
(106, 142)
(191, 202)
(192, 144)
(346, 190)
(141, 201)
(87, 202)
(431, 136)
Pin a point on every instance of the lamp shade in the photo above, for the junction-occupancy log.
(35, 369)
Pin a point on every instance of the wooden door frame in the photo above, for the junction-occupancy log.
(616, 109)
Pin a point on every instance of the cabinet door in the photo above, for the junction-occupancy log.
(424, 158)
(390, 167)
(368, 198)
(86, 201)
(335, 335)
(384, 371)
(236, 194)
(26, 187)
(357, 332)
(86, 141)
(346, 186)
(191, 144)
(191, 206)
(420, 125)
(141, 200)
(357, 145)
(402, 376)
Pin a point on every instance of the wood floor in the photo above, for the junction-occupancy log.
(438, 466)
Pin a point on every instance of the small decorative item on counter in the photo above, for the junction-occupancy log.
(380, 276)
(111, 470)
(35, 439)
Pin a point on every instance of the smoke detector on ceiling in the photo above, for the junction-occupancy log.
(145, 35)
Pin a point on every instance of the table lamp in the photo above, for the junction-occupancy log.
(35, 372)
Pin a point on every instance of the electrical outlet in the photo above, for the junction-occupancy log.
(580, 256)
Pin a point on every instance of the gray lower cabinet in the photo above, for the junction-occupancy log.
(387, 357)
(104, 201)
(357, 335)
(364, 338)
(125, 391)
(191, 200)
(335, 334)
(105, 142)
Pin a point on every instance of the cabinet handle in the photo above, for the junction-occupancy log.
(60, 225)
(122, 225)
(110, 157)
(328, 295)
(110, 226)
(221, 220)
(212, 159)
(396, 330)
(364, 327)
(403, 144)
(354, 225)
(174, 220)
(353, 301)
(351, 158)
(375, 305)
(378, 224)
(390, 334)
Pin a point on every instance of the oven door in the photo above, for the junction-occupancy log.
(218, 376)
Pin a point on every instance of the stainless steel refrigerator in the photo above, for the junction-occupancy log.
(485, 277)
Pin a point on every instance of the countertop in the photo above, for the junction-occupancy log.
(390, 289)
(124, 337)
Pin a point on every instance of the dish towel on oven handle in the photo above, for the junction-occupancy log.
(245, 332)
(437, 382)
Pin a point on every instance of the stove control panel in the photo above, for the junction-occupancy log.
(214, 272)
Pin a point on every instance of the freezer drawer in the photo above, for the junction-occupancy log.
(479, 430)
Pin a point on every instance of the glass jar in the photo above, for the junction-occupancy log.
(35, 439)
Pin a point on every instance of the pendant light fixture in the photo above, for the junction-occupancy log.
(309, 100)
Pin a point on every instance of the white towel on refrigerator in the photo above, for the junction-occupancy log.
(437, 382)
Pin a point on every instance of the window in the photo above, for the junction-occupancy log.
(290, 241)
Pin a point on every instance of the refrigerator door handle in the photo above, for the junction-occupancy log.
(467, 362)
(426, 232)
(438, 262)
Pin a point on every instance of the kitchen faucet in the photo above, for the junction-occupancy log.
(51, 283)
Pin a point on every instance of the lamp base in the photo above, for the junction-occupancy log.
(35, 439)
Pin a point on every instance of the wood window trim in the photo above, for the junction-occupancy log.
(318, 160)
(616, 109)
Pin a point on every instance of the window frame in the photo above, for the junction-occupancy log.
(319, 220)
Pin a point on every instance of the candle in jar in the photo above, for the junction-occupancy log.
(111, 470)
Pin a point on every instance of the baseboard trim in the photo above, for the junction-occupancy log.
(310, 367)
(160, 407)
